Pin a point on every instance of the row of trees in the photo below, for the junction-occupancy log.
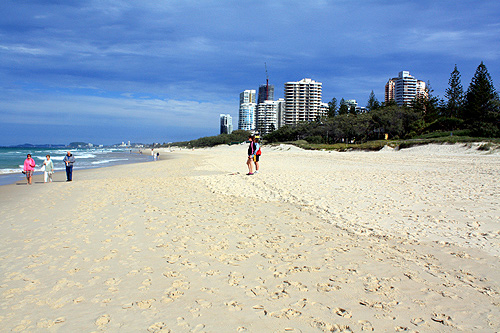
(475, 112)
(237, 136)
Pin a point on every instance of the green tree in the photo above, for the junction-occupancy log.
(427, 104)
(332, 108)
(454, 95)
(373, 102)
(343, 109)
(481, 110)
(480, 97)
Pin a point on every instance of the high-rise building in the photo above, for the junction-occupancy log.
(267, 116)
(246, 119)
(266, 93)
(389, 90)
(404, 88)
(421, 89)
(247, 96)
(226, 124)
(280, 113)
(303, 101)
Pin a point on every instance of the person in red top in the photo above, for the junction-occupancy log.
(257, 154)
(29, 168)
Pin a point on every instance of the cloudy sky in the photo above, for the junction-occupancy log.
(106, 71)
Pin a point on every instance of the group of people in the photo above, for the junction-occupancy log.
(48, 168)
(156, 156)
(253, 155)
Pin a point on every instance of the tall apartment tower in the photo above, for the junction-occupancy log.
(266, 93)
(280, 113)
(389, 90)
(421, 89)
(226, 124)
(267, 116)
(303, 101)
(404, 88)
(246, 119)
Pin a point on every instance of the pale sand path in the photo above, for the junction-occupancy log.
(151, 246)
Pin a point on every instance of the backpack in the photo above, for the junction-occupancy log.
(258, 153)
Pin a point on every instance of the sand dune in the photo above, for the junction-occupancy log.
(317, 241)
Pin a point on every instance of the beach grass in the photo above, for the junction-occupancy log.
(489, 143)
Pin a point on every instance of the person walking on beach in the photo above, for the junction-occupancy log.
(257, 154)
(251, 155)
(153, 155)
(69, 160)
(29, 168)
(49, 169)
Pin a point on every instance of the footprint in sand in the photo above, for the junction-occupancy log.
(442, 318)
(198, 328)
(233, 306)
(103, 320)
(329, 327)
(203, 303)
(235, 278)
(194, 311)
(46, 323)
(366, 325)
(145, 284)
(145, 304)
(287, 313)
(172, 274)
(171, 295)
(157, 327)
(326, 287)
(342, 312)
(417, 321)
(180, 284)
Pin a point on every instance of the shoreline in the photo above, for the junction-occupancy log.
(17, 178)
(193, 244)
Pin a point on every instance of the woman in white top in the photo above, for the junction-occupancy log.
(49, 169)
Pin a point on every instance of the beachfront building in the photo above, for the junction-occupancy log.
(246, 115)
(226, 124)
(350, 103)
(389, 90)
(422, 89)
(353, 103)
(267, 116)
(280, 113)
(266, 93)
(303, 101)
(404, 88)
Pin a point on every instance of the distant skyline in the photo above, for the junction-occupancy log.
(164, 70)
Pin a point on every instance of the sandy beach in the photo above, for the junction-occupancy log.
(315, 242)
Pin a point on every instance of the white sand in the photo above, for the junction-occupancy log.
(317, 241)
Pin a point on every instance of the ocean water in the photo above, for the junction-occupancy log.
(12, 159)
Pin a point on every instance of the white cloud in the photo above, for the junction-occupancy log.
(38, 109)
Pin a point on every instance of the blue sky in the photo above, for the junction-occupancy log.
(106, 71)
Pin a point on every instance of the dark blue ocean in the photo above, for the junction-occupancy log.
(12, 159)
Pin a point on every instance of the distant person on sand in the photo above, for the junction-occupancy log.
(257, 154)
(251, 155)
(29, 168)
(157, 156)
(69, 160)
(153, 154)
(49, 169)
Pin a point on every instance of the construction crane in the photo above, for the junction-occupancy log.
(267, 82)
